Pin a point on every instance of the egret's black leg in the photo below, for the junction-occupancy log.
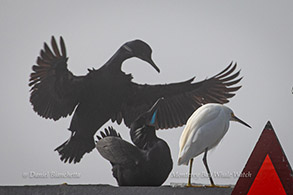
(190, 172)
(207, 167)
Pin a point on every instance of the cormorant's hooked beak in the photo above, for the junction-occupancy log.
(234, 118)
(152, 112)
(146, 56)
(151, 62)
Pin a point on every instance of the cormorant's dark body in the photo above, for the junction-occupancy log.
(108, 93)
(95, 108)
(147, 163)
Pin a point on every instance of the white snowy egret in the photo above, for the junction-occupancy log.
(203, 131)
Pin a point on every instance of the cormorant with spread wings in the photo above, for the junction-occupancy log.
(108, 93)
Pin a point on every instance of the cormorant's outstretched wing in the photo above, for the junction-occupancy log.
(180, 99)
(116, 150)
(54, 89)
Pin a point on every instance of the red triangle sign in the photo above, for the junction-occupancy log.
(268, 166)
(267, 180)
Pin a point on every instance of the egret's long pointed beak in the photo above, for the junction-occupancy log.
(235, 118)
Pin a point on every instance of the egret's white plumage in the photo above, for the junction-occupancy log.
(203, 131)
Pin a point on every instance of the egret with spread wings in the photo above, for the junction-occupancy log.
(108, 93)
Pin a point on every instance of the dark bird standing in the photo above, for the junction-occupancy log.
(147, 163)
(108, 93)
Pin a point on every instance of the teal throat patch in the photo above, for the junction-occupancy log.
(153, 118)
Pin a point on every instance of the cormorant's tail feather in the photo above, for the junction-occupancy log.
(108, 132)
(73, 149)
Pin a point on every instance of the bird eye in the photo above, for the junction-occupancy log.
(127, 48)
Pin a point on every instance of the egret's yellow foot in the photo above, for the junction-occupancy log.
(194, 186)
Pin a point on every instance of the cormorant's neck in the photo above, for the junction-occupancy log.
(151, 137)
(143, 137)
(118, 58)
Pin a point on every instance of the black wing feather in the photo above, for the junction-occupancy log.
(54, 89)
(181, 99)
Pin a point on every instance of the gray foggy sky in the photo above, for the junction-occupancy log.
(188, 38)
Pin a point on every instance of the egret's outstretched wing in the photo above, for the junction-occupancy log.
(180, 99)
(116, 150)
(54, 89)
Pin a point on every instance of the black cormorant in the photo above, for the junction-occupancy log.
(147, 163)
(108, 93)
